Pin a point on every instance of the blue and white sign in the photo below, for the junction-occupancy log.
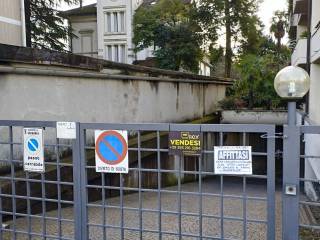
(111, 147)
(33, 157)
(233, 160)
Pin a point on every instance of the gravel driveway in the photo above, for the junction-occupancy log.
(211, 205)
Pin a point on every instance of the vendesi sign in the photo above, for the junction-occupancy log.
(235, 160)
(111, 148)
(33, 155)
(184, 143)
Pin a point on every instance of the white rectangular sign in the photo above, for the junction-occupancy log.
(235, 160)
(111, 151)
(66, 130)
(33, 157)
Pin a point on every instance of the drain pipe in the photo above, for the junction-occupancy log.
(23, 23)
(307, 97)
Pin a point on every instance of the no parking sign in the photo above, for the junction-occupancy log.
(111, 150)
(33, 157)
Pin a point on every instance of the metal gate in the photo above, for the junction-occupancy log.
(300, 204)
(37, 205)
(162, 197)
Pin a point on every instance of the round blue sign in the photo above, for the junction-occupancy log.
(111, 147)
(33, 145)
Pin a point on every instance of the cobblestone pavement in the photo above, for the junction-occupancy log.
(170, 222)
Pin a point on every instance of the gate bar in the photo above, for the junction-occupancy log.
(291, 167)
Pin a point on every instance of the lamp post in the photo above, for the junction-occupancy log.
(291, 83)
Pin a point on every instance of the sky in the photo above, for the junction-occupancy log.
(267, 8)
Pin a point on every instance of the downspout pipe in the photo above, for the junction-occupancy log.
(309, 49)
(23, 24)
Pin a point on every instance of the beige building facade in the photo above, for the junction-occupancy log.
(12, 22)
(299, 26)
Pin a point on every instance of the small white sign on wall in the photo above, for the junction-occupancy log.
(233, 160)
(66, 130)
(33, 155)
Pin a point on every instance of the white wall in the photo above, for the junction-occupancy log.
(314, 93)
(315, 41)
(103, 38)
(10, 23)
(105, 100)
(315, 13)
(312, 141)
(83, 27)
(299, 55)
(312, 165)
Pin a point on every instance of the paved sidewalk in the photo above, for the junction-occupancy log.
(170, 223)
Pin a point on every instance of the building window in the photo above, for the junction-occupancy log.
(122, 22)
(123, 53)
(86, 42)
(116, 52)
(108, 21)
(115, 22)
(109, 52)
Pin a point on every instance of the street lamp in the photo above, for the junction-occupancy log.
(292, 83)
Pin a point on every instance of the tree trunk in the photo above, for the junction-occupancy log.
(228, 57)
(279, 43)
(27, 8)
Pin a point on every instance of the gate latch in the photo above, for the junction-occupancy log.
(291, 190)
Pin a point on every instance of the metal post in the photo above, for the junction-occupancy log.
(291, 162)
(292, 118)
(77, 184)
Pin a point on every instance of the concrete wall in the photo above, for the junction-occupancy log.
(31, 97)
(254, 117)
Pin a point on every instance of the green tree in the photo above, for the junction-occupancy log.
(44, 27)
(235, 19)
(169, 28)
(257, 71)
(279, 25)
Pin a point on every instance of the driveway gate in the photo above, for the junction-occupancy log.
(301, 193)
(162, 197)
(37, 205)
